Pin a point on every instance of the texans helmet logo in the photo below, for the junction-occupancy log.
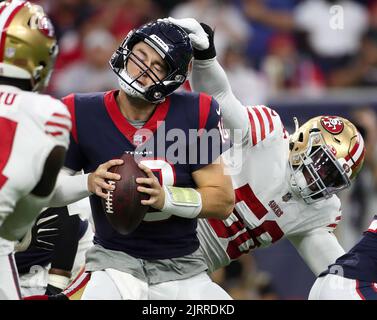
(332, 124)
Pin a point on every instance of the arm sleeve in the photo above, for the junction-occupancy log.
(208, 76)
(69, 189)
(319, 248)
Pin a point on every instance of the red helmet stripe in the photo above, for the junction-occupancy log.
(359, 160)
(6, 16)
(357, 153)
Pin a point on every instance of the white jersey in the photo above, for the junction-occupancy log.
(266, 209)
(31, 125)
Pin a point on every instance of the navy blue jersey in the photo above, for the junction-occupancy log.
(360, 263)
(100, 133)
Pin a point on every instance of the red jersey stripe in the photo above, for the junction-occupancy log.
(57, 124)
(270, 121)
(204, 109)
(261, 123)
(55, 133)
(247, 195)
(253, 132)
(59, 115)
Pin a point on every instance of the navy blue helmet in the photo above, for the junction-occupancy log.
(171, 42)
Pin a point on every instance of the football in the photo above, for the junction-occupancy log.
(123, 206)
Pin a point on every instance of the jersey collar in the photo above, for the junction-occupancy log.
(127, 129)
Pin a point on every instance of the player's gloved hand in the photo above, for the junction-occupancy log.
(198, 37)
(45, 231)
(201, 36)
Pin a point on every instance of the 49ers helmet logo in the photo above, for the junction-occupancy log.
(332, 124)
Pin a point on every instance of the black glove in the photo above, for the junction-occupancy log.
(211, 51)
(45, 231)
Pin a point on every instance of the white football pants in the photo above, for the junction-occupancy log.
(9, 282)
(35, 282)
(112, 284)
(334, 287)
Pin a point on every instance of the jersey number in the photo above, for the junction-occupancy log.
(7, 133)
(166, 176)
(266, 233)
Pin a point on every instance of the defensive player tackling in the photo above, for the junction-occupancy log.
(287, 184)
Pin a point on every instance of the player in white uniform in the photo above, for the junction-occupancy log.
(34, 134)
(33, 128)
(286, 185)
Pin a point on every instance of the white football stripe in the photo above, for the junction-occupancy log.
(373, 225)
(46, 219)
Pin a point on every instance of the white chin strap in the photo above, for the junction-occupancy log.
(128, 89)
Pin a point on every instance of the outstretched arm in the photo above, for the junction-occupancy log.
(210, 77)
(70, 188)
(319, 248)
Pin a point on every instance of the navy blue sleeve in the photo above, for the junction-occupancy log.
(213, 140)
(74, 159)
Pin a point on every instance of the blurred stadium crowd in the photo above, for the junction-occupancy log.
(300, 57)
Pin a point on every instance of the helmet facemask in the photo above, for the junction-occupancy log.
(158, 36)
(319, 174)
(130, 85)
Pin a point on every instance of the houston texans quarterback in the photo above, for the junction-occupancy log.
(353, 276)
(160, 259)
(286, 185)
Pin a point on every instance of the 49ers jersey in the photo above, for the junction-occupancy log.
(266, 209)
(31, 125)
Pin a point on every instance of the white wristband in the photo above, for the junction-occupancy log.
(58, 281)
(182, 202)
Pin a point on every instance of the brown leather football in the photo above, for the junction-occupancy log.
(123, 206)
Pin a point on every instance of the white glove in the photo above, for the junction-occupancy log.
(198, 37)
